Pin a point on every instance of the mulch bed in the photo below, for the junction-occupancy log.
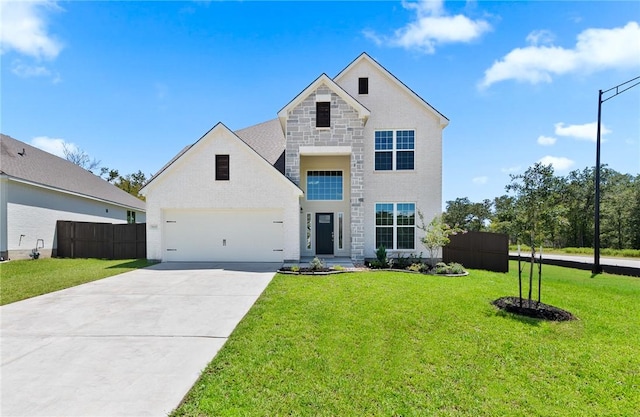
(310, 271)
(533, 309)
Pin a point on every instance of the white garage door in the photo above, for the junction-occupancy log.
(223, 235)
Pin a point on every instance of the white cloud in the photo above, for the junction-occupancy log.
(24, 29)
(511, 170)
(480, 180)
(595, 50)
(25, 70)
(52, 145)
(559, 163)
(587, 131)
(432, 26)
(546, 140)
(540, 37)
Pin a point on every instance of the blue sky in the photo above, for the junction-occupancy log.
(132, 83)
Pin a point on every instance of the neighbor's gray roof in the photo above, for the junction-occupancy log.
(40, 167)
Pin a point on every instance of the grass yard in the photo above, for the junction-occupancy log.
(23, 279)
(391, 344)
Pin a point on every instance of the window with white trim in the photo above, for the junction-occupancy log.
(396, 225)
(324, 185)
(394, 150)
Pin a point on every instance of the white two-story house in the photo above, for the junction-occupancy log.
(342, 170)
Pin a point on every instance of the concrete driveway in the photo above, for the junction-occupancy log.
(128, 345)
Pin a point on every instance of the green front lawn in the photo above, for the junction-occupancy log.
(386, 344)
(27, 278)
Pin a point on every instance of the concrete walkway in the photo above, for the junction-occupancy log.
(129, 345)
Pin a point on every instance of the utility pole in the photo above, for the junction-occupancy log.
(597, 268)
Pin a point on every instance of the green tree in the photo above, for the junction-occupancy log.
(504, 216)
(467, 215)
(634, 221)
(578, 198)
(617, 211)
(132, 183)
(109, 175)
(436, 235)
(538, 211)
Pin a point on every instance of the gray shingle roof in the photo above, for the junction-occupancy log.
(40, 167)
(266, 138)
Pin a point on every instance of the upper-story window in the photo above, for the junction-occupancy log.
(323, 114)
(222, 167)
(363, 86)
(324, 185)
(394, 150)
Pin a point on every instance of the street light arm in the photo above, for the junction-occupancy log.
(597, 268)
(617, 88)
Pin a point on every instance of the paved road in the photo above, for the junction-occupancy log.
(129, 345)
(626, 262)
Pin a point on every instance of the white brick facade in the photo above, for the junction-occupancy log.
(345, 147)
(394, 107)
(189, 183)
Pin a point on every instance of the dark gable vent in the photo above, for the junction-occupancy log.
(323, 114)
(363, 86)
(222, 167)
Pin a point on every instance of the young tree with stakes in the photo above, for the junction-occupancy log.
(537, 211)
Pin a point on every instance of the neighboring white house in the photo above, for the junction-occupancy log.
(37, 189)
(344, 168)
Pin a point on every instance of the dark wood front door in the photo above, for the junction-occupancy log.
(324, 233)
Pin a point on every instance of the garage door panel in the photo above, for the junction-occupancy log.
(223, 235)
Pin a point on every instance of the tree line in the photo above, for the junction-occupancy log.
(541, 207)
(131, 183)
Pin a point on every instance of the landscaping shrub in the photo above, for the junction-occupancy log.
(452, 268)
(381, 256)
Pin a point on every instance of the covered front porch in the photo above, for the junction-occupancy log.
(325, 178)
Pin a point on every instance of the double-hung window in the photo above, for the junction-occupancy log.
(394, 150)
(396, 225)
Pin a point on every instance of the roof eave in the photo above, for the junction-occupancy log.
(74, 193)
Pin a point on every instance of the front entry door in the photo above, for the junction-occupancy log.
(324, 233)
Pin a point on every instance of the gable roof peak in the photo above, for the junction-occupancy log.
(444, 121)
(323, 79)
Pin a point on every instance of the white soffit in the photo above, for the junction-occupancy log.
(325, 150)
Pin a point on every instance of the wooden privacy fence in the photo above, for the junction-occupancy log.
(101, 240)
(479, 250)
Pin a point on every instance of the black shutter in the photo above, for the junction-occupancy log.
(363, 86)
(323, 114)
(222, 167)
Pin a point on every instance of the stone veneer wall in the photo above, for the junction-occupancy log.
(347, 129)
